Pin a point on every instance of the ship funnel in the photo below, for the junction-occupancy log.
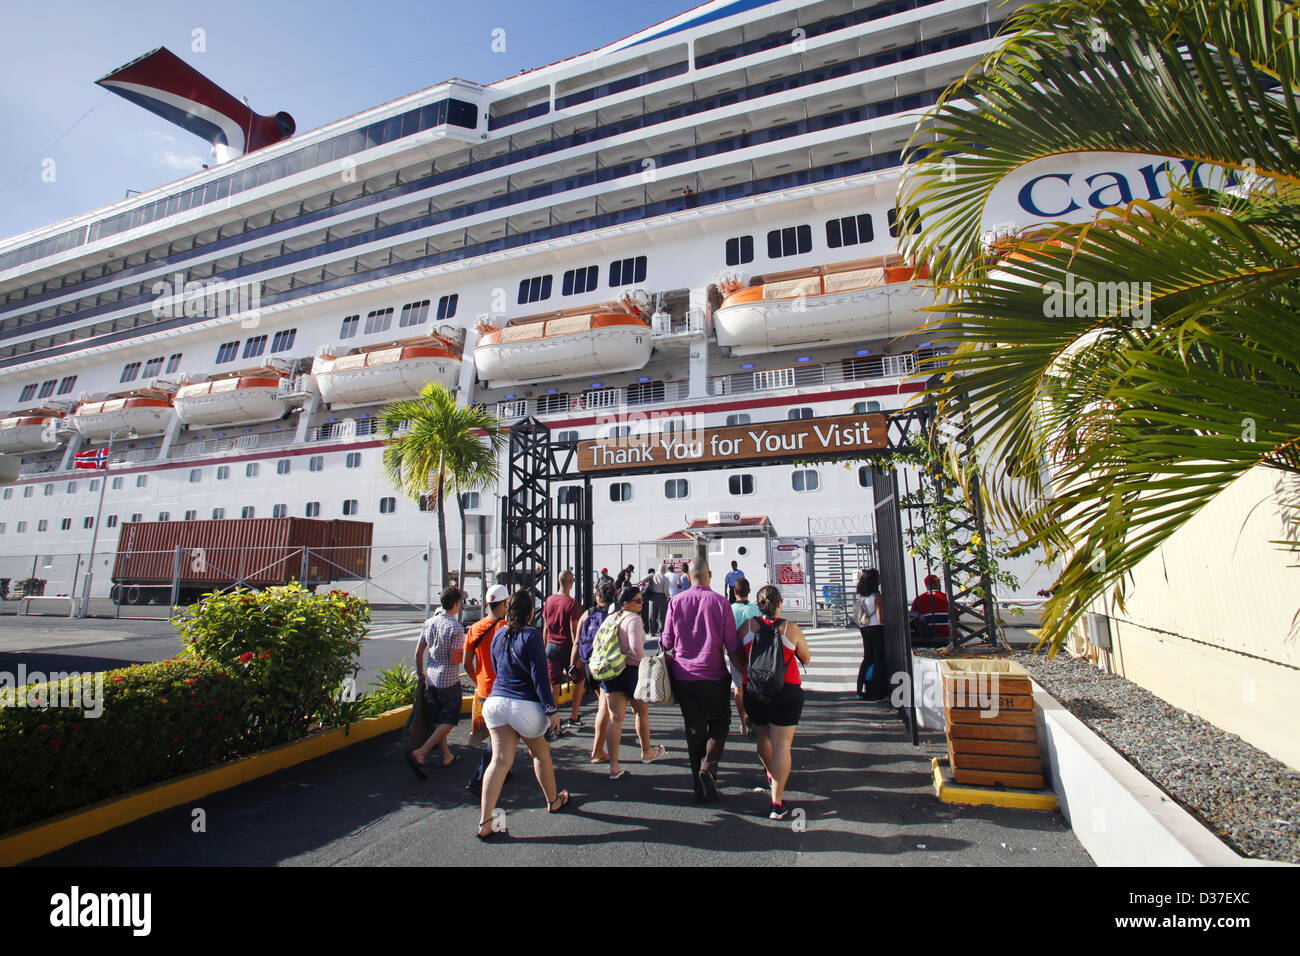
(167, 86)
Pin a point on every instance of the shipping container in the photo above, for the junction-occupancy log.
(203, 556)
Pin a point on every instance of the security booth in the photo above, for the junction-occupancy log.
(722, 537)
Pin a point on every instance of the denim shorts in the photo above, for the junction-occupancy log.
(624, 683)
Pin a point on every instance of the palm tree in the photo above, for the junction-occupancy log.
(433, 437)
(1104, 433)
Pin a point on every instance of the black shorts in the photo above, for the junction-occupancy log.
(784, 710)
(444, 704)
(624, 683)
(557, 661)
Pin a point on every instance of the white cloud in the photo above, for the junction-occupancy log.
(186, 162)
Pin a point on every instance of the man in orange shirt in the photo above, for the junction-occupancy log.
(478, 665)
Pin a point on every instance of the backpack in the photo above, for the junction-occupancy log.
(607, 658)
(765, 676)
(590, 628)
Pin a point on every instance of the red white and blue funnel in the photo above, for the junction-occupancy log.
(167, 86)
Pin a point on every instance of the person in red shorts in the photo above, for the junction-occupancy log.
(561, 614)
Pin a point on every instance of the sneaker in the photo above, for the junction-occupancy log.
(779, 812)
(709, 787)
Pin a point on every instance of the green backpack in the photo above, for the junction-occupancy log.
(607, 658)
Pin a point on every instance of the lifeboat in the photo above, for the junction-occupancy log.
(147, 411)
(32, 430)
(600, 342)
(848, 302)
(386, 372)
(252, 395)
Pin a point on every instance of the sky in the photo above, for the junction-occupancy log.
(70, 146)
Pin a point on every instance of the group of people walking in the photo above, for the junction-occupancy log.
(715, 652)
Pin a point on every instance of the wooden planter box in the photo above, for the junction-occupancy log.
(988, 708)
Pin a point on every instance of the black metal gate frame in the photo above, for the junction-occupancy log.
(529, 531)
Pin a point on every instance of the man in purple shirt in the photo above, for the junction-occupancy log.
(699, 634)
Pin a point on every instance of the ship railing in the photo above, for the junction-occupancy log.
(344, 428)
(856, 369)
(692, 323)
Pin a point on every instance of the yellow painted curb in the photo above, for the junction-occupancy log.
(46, 836)
(989, 797)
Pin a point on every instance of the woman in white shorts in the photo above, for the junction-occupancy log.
(520, 706)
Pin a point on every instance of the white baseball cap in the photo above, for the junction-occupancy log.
(497, 593)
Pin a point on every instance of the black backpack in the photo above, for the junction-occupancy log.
(767, 662)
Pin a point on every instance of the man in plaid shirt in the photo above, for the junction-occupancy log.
(444, 637)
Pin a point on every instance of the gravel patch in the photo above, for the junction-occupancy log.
(1248, 798)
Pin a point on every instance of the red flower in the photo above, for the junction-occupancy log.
(176, 740)
(221, 716)
(42, 726)
(162, 700)
(54, 743)
(118, 679)
(246, 656)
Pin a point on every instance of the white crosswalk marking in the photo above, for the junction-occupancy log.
(394, 632)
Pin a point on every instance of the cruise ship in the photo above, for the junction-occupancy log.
(691, 227)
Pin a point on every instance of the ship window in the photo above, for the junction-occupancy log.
(795, 414)
(29, 392)
(196, 475)
(676, 488)
(152, 367)
(349, 327)
(627, 271)
(9, 493)
(72, 487)
(864, 476)
(173, 363)
(279, 511)
(117, 484)
(316, 463)
(861, 408)
(620, 491)
(227, 352)
(130, 372)
(88, 522)
(569, 495)
(354, 459)
(672, 426)
(111, 521)
(447, 306)
(645, 392)
(740, 250)
(426, 502)
(741, 419)
(741, 484)
(552, 403)
(164, 516)
(250, 470)
(566, 437)
(218, 514)
(379, 321)
(578, 281)
(349, 507)
(67, 384)
(805, 480)
(313, 509)
(141, 480)
(255, 346)
(893, 223)
(42, 525)
(469, 501)
(790, 241)
(2, 527)
(223, 472)
(94, 484)
(47, 388)
(849, 231)
(22, 526)
(536, 289)
(283, 340)
(387, 505)
(620, 431)
(65, 524)
(191, 515)
(27, 492)
(49, 489)
(414, 313)
(282, 466)
(246, 511)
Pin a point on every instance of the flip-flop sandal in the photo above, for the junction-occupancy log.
(416, 768)
(661, 751)
(455, 759)
(618, 776)
(603, 758)
(562, 800)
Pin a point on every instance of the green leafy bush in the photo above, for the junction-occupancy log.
(296, 650)
(395, 688)
(157, 721)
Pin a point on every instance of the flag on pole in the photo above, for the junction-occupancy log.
(97, 459)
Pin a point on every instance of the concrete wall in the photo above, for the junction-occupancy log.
(1208, 621)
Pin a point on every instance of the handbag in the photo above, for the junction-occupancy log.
(478, 731)
(417, 725)
(652, 684)
(864, 618)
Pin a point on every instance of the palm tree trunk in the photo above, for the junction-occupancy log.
(460, 509)
(442, 529)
